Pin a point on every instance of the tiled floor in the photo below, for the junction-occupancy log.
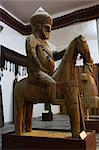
(59, 122)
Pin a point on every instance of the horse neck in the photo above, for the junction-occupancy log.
(67, 65)
(66, 71)
(70, 54)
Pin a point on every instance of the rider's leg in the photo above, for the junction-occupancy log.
(45, 81)
(49, 83)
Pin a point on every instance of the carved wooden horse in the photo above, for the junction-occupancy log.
(24, 93)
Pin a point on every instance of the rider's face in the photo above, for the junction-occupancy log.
(45, 31)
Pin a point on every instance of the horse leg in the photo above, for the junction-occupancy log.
(74, 116)
(82, 114)
(19, 120)
(29, 110)
(73, 108)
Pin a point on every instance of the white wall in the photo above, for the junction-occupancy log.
(63, 36)
(12, 39)
(15, 41)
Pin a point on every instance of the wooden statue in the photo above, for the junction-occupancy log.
(43, 83)
(89, 92)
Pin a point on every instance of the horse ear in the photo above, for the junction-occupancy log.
(83, 38)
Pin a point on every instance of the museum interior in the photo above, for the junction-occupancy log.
(49, 74)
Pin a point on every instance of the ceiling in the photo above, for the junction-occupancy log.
(23, 9)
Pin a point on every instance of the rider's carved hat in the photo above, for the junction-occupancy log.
(40, 17)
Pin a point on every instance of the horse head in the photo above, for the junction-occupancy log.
(83, 49)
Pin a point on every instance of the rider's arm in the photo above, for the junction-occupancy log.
(31, 49)
(41, 66)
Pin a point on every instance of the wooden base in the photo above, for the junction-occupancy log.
(48, 140)
(92, 124)
(47, 116)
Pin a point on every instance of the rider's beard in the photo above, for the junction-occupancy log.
(45, 35)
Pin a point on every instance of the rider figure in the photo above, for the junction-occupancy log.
(40, 58)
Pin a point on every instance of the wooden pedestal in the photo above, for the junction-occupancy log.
(47, 116)
(48, 140)
(92, 124)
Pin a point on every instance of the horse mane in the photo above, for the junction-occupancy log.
(85, 53)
